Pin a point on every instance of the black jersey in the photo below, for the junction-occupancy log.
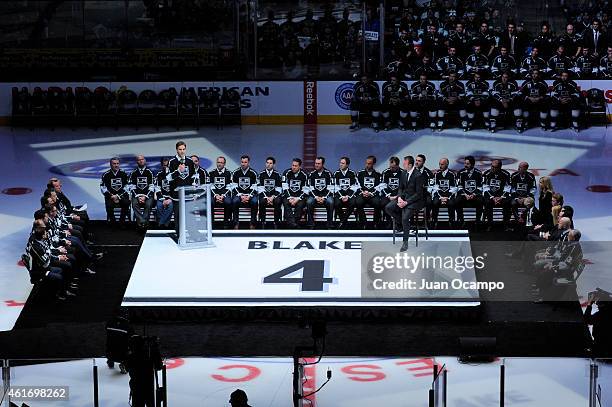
(201, 176)
(395, 95)
(477, 63)
(295, 184)
(244, 182)
(452, 90)
(428, 179)
(531, 88)
(523, 185)
(114, 183)
(570, 43)
(530, 63)
(426, 91)
(477, 90)
(505, 91)
(142, 182)
(162, 185)
(564, 89)
(605, 67)
(449, 64)
(270, 184)
(391, 182)
(469, 182)
(221, 181)
(544, 43)
(366, 92)
(369, 180)
(346, 183)
(503, 64)
(444, 184)
(586, 66)
(321, 183)
(423, 68)
(460, 41)
(560, 63)
(400, 69)
(496, 184)
(180, 178)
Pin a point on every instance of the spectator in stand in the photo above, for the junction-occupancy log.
(595, 39)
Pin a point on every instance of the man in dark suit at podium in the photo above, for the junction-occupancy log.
(410, 199)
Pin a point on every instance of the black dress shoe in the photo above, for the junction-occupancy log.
(404, 246)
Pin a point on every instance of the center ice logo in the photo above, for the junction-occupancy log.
(95, 168)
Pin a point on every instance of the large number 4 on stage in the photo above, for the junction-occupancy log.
(313, 275)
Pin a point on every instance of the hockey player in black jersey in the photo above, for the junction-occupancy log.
(114, 187)
(321, 190)
(451, 98)
(270, 192)
(469, 190)
(505, 98)
(496, 192)
(390, 180)
(346, 186)
(605, 65)
(559, 63)
(142, 188)
(535, 98)
(443, 192)
(181, 172)
(522, 185)
(295, 190)
(503, 63)
(533, 61)
(395, 102)
(587, 66)
(477, 93)
(244, 184)
(164, 206)
(450, 63)
(427, 67)
(423, 99)
(200, 176)
(477, 63)
(565, 98)
(366, 97)
(369, 181)
(221, 189)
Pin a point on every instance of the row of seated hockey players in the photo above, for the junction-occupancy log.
(58, 247)
(294, 192)
(586, 65)
(476, 98)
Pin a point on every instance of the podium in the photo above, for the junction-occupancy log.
(195, 217)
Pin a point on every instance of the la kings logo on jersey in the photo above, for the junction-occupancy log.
(368, 182)
(219, 182)
(185, 173)
(470, 185)
(394, 183)
(345, 183)
(244, 182)
(116, 183)
(295, 185)
(521, 186)
(495, 184)
(165, 185)
(320, 184)
(141, 182)
(444, 185)
(269, 184)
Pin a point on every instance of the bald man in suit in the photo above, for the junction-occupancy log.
(410, 198)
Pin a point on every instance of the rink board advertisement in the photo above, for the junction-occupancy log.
(265, 102)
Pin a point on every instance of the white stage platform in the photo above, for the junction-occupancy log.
(238, 271)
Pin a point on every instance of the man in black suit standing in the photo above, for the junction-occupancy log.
(595, 39)
(410, 198)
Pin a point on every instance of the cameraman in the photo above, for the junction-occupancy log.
(601, 321)
(143, 362)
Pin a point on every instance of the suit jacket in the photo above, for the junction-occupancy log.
(536, 217)
(411, 190)
(588, 40)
